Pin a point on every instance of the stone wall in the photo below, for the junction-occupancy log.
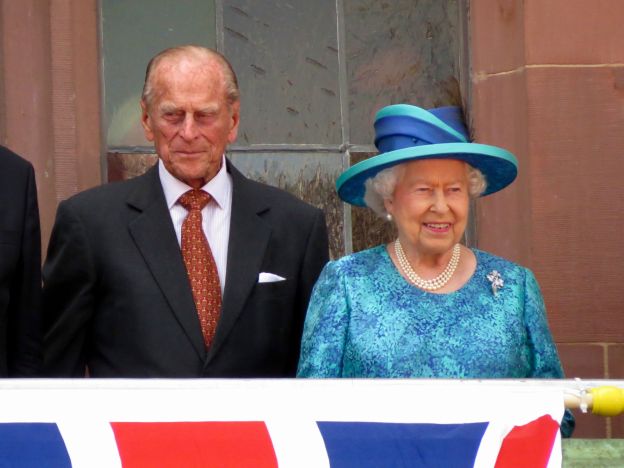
(548, 83)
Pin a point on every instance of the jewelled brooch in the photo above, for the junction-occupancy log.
(497, 281)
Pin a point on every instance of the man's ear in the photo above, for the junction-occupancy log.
(146, 122)
(235, 120)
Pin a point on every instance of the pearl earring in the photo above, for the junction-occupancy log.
(388, 216)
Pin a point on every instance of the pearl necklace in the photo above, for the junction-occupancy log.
(432, 284)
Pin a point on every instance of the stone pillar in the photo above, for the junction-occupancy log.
(50, 94)
(548, 84)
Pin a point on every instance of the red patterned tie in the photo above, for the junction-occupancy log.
(200, 264)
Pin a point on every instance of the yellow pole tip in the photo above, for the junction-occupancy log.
(607, 400)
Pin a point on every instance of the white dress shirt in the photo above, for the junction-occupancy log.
(215, 215)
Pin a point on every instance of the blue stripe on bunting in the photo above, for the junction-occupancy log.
(363, 445)
(32, 445)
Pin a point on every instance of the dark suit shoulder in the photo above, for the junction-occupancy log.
(11, 164)
(110, 193)
(17, 181)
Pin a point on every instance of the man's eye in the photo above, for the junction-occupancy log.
(172, 115)
(203, 116)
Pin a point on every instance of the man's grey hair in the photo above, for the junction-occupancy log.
(192, 52)
(382, 186)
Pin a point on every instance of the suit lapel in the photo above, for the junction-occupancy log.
(153, 233)
(249, 237)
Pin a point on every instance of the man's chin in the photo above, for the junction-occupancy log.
(195, 179)
(192, 169)
(188, 155)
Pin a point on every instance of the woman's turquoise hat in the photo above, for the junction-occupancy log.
(406, 133)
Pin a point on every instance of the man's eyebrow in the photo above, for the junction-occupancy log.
(211, 109)
(170, 107)
(167, 107)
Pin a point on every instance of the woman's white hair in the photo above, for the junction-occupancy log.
(381, 187)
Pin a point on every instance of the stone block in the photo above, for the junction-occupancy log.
(575, 144)
(574, 31)
(586, 361)
(496, 35)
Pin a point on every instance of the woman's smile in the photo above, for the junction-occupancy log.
(438, 228)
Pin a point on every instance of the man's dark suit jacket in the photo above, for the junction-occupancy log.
(20, 268)
(117, 297)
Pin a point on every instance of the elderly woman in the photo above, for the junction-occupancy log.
(425, 305)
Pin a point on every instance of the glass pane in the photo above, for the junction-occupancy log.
(286, 57)
(399, 51)
(132, 33)
(309, 176)
(124, 166)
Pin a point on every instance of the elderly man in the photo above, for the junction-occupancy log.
(190, 270)
(20, 268)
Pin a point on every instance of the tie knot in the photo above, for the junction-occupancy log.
(194, 199)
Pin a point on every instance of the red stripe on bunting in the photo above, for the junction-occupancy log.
(194, 444)
(528, 445)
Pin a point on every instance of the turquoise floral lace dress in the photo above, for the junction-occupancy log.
(366, 320)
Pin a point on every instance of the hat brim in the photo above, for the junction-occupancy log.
(498, 165)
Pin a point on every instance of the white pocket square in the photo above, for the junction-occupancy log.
(264, 277)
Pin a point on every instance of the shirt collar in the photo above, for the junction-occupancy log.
(174, 188)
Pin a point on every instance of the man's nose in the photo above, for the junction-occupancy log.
(189, 130)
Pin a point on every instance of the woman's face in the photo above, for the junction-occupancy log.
(430, 204)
